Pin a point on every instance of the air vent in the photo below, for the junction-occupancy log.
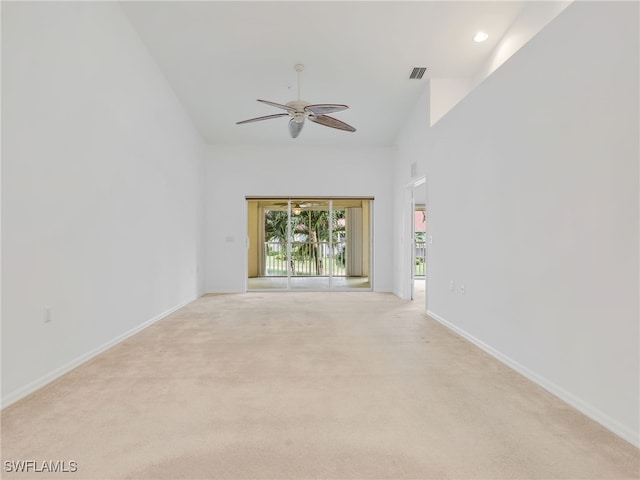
(418, 72)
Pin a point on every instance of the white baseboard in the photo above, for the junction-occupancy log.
(579, 404)
(58, 372)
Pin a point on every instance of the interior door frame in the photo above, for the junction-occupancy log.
(408, 243)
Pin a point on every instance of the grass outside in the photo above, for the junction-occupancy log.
(277, 267)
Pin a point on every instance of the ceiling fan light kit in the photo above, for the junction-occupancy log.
(299, 110)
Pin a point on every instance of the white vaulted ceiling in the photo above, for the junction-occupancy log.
(219, 57)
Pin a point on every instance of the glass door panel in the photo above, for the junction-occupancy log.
(351, 217)
(310, 252)
(267, 252)
(338, 246)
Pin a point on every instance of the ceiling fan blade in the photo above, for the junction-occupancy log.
(295, 128)
(267, 117)
(278, 105)
(323, 108)
(328, 121)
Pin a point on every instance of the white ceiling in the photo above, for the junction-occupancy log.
(220, 57)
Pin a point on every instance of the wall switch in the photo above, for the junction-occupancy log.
(47, 314)
(462, 288)
(430, 239)
(451, 286)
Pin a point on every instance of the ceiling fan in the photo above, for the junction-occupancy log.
(299, 110)
(297, 207)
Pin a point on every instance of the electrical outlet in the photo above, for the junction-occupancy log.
(47, 314)
(462, 288)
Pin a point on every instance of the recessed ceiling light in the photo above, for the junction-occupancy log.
(480, 37)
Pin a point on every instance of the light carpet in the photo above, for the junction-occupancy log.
(305, 385)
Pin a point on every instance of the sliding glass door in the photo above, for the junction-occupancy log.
(311, 244)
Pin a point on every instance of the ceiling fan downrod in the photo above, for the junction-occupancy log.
(299, 67)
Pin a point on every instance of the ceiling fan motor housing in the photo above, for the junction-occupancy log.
(300, 113)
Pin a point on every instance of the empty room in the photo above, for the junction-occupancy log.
(320, 239)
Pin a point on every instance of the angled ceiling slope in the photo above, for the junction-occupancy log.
(219, 57)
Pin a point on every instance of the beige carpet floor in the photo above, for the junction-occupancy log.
(305, 385)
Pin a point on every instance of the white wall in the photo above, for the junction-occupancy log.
(411, 148)
(534, 16)
(533, 205)
(103, 202)
(445, 93)
(235, 172)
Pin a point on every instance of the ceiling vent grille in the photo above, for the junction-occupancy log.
(418, 72)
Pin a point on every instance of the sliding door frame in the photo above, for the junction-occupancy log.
(330, 200)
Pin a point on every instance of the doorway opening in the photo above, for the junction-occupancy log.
(416, 241)
(309, 243)
(420, 241)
